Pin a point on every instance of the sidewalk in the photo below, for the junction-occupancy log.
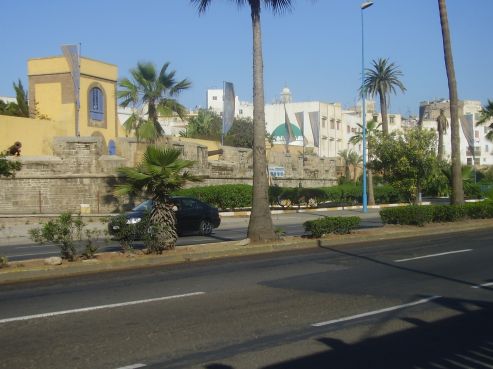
(107, 262)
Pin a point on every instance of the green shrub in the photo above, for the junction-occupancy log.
(407, 215)
(4, 261)
(223, 197)
(448, 213)
(420, 215)
(327, 225)
(63, 232)
(479, 210)
(387, 194)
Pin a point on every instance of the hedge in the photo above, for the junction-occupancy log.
(420, 215)
(327, 225)
(237, 196)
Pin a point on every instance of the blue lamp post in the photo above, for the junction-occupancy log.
(364, 5)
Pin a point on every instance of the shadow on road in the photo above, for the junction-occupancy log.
(462, 341)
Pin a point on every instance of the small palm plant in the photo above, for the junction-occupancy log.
(160, 173)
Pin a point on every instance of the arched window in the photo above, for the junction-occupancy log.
(96, 104)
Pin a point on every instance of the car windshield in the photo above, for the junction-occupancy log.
(145, 206)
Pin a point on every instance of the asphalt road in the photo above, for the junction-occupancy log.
(412, 303)
(21, 247)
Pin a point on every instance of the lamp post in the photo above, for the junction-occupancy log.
(364, 5)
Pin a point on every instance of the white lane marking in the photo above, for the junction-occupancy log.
(134, 366)
(375, 312)
(92, 308)
(432, 255)
(483, 285)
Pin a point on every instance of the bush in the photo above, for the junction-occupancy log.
(4, 261)
(63, 232)
(387, 194)
(327, 225)
(420, 215)
(222, 196)
(407, 215)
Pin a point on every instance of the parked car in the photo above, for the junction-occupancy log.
(192, 215)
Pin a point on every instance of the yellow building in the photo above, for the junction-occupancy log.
(51, 94)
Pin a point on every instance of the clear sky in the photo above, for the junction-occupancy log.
(315, 50)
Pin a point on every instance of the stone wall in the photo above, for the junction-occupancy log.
(79, 178)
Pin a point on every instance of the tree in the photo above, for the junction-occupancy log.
(158, 174)
(406, 159)
(205, 125)
(382, 79)
(372, 132)
(355, 160)
(344, 154)
(20, 108)
(260, 227)
(486, 116)
(154, 92)
(241, 133)
(442, 126)
(457, 187)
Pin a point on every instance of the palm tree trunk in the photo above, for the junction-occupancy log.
(260, 227)
(383, 111)
(371, 195)
(457, 186)
(163, 222)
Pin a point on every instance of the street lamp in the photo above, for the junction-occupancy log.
(364, 5)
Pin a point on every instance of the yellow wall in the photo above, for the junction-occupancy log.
(53, 92)
(35, 135)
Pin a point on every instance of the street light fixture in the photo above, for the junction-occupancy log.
(364, 5)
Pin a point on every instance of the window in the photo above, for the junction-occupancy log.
(97, 104)
(240, 111)
(476, 134)
(214, 97)
(348, 129)
(338, 125)
(392, 119)
(332, 124)
(486, 148)
(469, 161)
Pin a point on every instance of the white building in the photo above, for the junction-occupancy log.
(326, 127)
(172, 126)
(476, 148)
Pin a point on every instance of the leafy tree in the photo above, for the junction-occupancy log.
(372, 132)
(457, 187)
(8, 167)
(406, 159)
(382, 79)
(260, 226)
(205, 125)
(160, 173)
(442, 126)
(152, 94)
(20, 108)
(486, 115)
(241, 133)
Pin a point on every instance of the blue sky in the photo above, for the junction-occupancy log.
(315, 50)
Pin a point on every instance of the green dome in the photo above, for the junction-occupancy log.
(280, 131)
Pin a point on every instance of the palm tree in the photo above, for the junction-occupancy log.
(260, 227)
(442, 126)
(372, 129)
(486, 114)
(457, 186)
(344, 154)
(158, 174)
(154, 92)
(355, 160)
(382, 79)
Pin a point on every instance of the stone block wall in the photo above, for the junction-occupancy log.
(80, 174)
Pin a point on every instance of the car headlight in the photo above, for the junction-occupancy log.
(133, 220)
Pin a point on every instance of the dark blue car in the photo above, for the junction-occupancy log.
(192, 215)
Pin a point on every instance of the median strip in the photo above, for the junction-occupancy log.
(375, 312)
(432, 255)
(100, 307)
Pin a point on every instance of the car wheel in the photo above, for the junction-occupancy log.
(205, 227)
